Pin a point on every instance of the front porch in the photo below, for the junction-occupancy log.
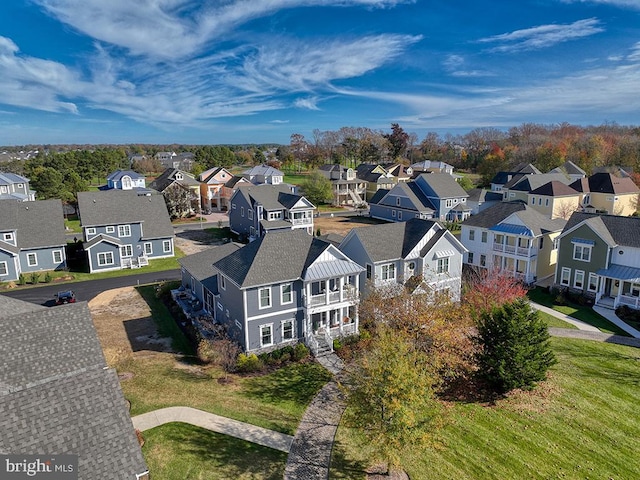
(618, 285)
(321, 328)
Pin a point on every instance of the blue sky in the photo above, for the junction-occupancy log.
(240, 71)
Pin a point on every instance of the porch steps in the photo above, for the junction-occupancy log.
(323, 347)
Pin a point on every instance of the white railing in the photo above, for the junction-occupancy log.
(312, 343)
(302, 221)
(512, 249)
(629, 301)
(327, 337)
(322, 299)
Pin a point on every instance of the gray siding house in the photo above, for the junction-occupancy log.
(122, 229)
(15, 187)
(31, 237)
(259, 209)
(432, 195)
(396, 253)
(283, 288)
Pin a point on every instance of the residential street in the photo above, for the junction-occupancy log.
(86, 290)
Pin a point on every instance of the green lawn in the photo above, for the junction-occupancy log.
(295, 178)
(580, 312)
(72, 226)
(178, 451)
(581, 423)
(552, 321)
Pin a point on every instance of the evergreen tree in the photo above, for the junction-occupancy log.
(514, 348)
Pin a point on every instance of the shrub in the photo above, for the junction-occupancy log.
(514, 349)
(34, 278)
(300, 352)
(48, 277)
(22, 280)
(337, 344)
(249, 363)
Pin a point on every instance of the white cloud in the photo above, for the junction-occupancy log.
(279, 122)
(634, 4)
(29, 82)
(543, 36)
(170, 29)
(454, 65)
(309, 103)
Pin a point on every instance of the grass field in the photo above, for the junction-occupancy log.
(178, 451)
(552, 321)
(581, 423)
(580, 312)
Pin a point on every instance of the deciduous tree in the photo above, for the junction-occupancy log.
(317, 188)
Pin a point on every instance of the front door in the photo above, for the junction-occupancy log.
(607, 287)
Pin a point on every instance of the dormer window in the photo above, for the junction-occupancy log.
(7, 237)
(179, 176)
(126, 182)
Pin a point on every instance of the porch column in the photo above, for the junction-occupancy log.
(326, 292)
(341, 319)
(341, 289)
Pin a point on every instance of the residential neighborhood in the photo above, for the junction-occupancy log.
(272, 282)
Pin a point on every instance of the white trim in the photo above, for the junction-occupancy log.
(280, 312)
(35, 257)
(128, 251)
(576, 273)
(106, 263)
(282, 302)
(53, 256)
(293, 330)
(125, 229)
(110, 229)
(591, 274)
(164, 249)
(90, 231)
(260, 307)
(562, 272)
(270, 326)
(144, 248)
(6, 269)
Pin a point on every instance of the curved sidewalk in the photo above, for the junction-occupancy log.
(595, 336)
(215, 423)
(579, 324)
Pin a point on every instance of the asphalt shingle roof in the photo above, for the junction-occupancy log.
(39, 224)
(168, 177)
(200, 265)
(554, 189)
(274, 257)
(534, 220)
(444, 185)
(392, 241)
(412, 191)
(58, 397)
(118, 207)
(529, 182)
(616, 230)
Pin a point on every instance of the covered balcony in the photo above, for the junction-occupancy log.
(516, 240)
(618, 285)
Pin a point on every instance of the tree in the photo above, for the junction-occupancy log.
(487, 289)
(47, 182)
(398, 140)
(179, 201)
(390, 396)
(317, 188)
(514, 347)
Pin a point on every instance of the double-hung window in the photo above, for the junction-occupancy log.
(443, 265)
(57, 256)
(124, 230)
(578, 279)
(286, 293)
(32, 259)
(266, 335)
(565, 276)
(388, 271)
(105, 258)
(582, 252)
(126, 251)
(287, 330)
(264, 295)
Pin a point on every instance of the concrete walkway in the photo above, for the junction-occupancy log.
(595, 336)
(565, 318)
(215, 423)
(613, 318)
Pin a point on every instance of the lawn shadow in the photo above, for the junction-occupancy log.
(207, 451)
(343, 467)
(298, 383)
(142, 334)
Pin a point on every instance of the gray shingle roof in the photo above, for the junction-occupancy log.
(412, 191)
(530, 182)
(117, 207)
(200, 265)
(118, 174)
(392, 241)
(616, 230)
(39, 224)
(168, 177)
(554, 189)
(271, 197)
(8, 178)
(569, 168)
(58, 397)
(444, 185)
(534, 220)
(275, 257)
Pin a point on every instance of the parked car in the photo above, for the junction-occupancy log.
(67, 296)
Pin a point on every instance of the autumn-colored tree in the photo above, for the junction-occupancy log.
(489, 288)
(438, 326)
(390, 396)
